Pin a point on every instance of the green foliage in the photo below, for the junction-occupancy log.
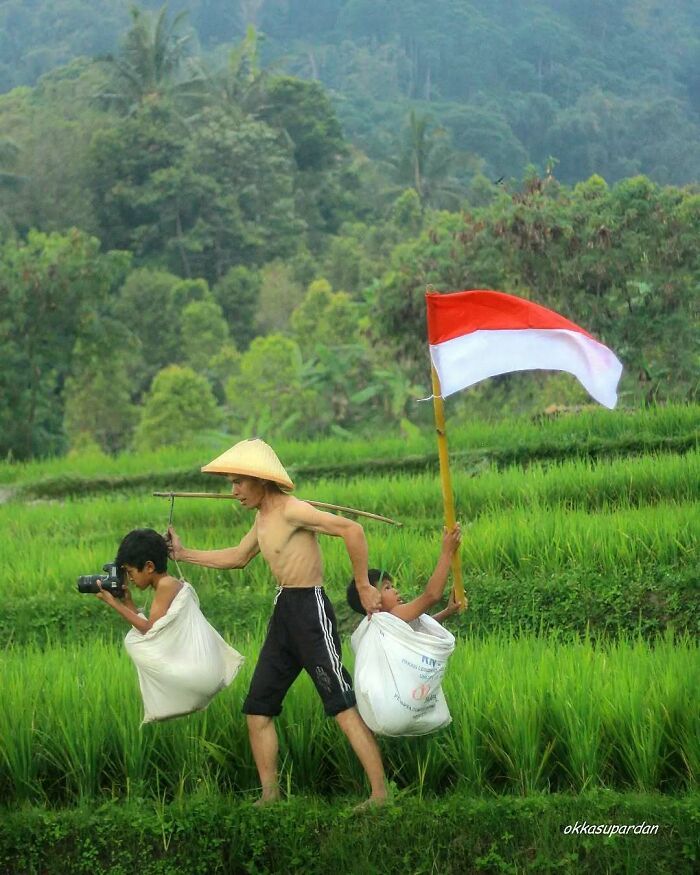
(214, 833)
(238, 293)
(204, 332)
(50, 289)
(236, 176)
(147, 308)
(150, 60)
(268, 396)
(98, 398)
(324, 317)
(280, 293)
(424, 161)
(303, 110)
(616, 91)
(179, 404)
(618, 261)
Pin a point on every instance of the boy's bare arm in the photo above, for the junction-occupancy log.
(305, 516)
(452, 608)
(166, 592)
(229, 557)
(435, 587)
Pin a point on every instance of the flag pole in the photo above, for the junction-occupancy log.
(446, 480)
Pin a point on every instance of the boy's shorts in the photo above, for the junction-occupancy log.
(302, 633)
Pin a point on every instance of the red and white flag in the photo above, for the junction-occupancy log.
(479, 334)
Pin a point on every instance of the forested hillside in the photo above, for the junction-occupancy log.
(192, 240)
(606, 86)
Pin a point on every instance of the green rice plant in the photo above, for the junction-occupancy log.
(423, 767)
(549, 524)
(19, 725)
(468, 694)
(632, 707)
(576, 483)
(299, 728)
(516, 721)
(646, 425)
(576, 719)
(73, 742)
(614, 551)
(529, 715)
(683, 732)
(131, 750)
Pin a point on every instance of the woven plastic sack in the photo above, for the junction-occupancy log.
(399, 672)
(182, 661)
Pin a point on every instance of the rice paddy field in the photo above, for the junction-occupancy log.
(573, 688)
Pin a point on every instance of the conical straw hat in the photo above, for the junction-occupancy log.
(253, 458)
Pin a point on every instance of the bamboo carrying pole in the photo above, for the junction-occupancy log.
(323, 504)
(446, 481)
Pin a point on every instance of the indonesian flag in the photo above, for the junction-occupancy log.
(479, 334)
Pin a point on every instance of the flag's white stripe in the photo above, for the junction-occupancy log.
(330, 646)
(467, 359)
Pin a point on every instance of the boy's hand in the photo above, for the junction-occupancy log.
(126, 597)
(174, 543)
(104, 595)
(451, 540)
(452, 606)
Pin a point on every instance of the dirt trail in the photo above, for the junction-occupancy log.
(5, 494)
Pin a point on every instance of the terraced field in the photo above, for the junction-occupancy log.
(576, 670)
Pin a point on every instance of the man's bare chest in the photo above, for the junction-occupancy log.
(278, 539)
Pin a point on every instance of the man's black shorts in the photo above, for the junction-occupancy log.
(302, 633)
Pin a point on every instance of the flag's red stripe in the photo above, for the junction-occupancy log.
(458, 313)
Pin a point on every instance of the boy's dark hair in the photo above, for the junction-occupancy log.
(353, 597)
(139, 546)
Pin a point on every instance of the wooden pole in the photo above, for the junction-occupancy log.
(323, 504)
(446, 481)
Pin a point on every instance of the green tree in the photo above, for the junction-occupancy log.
(147, 68)
(145, 306)
(619, 261)
(198, 202)
(51, 288)
(425, 161)
(279, 295)
(269, 397)
(180, 404)
(204, 332)
(324, 318)
(51, 126)
(98, 407)
(238, 294)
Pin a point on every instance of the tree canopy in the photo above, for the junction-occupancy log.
(181, 220)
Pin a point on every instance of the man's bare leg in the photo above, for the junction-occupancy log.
(365, 746)
(263, 743)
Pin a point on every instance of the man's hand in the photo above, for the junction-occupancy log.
(174, 543)
(370, 598)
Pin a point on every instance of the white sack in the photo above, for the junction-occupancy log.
(182, 661)
(398, 673)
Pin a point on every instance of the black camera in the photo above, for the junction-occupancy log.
(112, 581)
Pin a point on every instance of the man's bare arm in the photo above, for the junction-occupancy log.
(229, 557)
(305, 516)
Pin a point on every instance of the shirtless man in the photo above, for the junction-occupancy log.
(302, 631)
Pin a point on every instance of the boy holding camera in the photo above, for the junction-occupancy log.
(142, 558)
